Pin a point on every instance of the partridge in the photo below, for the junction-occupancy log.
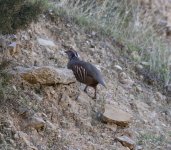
(84, 72)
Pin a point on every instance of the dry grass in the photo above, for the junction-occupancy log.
(122, 19)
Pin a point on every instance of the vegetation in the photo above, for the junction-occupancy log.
(17, 14)
(4, 80)
(122, 20)
(150, 139)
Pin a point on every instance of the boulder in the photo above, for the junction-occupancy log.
(46, 75)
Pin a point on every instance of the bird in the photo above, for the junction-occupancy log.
(84, 72)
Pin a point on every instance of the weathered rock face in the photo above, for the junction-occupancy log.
(127, 142)
(46, 75)
(115, 115)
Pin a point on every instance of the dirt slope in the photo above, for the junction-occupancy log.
(61, 116)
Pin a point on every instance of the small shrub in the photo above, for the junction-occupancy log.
(17, 14)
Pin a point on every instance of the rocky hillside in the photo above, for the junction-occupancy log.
(44, 108)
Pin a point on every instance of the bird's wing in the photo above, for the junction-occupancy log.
(89, 70)
(79, 71)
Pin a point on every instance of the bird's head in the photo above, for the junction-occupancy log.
(72, 54)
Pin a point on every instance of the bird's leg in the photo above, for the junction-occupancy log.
(95, 92)
(85, 90)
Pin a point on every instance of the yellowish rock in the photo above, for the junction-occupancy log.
(46, 75)
(115, 115)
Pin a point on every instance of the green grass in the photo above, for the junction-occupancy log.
(122, 20)
(151, 138)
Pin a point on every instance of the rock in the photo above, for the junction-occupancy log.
(121, 147)
(115, 115)
(46, 75)
(44, 42)
(145, 63)
(141, 77)
(113, 127)
(13, 48)
(138, 147)
(162, 23)
(93, 33)
(139, 67)
(142, 106)
(126, 141)
(13, 37)
(36, 122)
(125, 79)
(118, 68)
(138, 88)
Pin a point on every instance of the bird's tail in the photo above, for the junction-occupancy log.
(103, 83)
